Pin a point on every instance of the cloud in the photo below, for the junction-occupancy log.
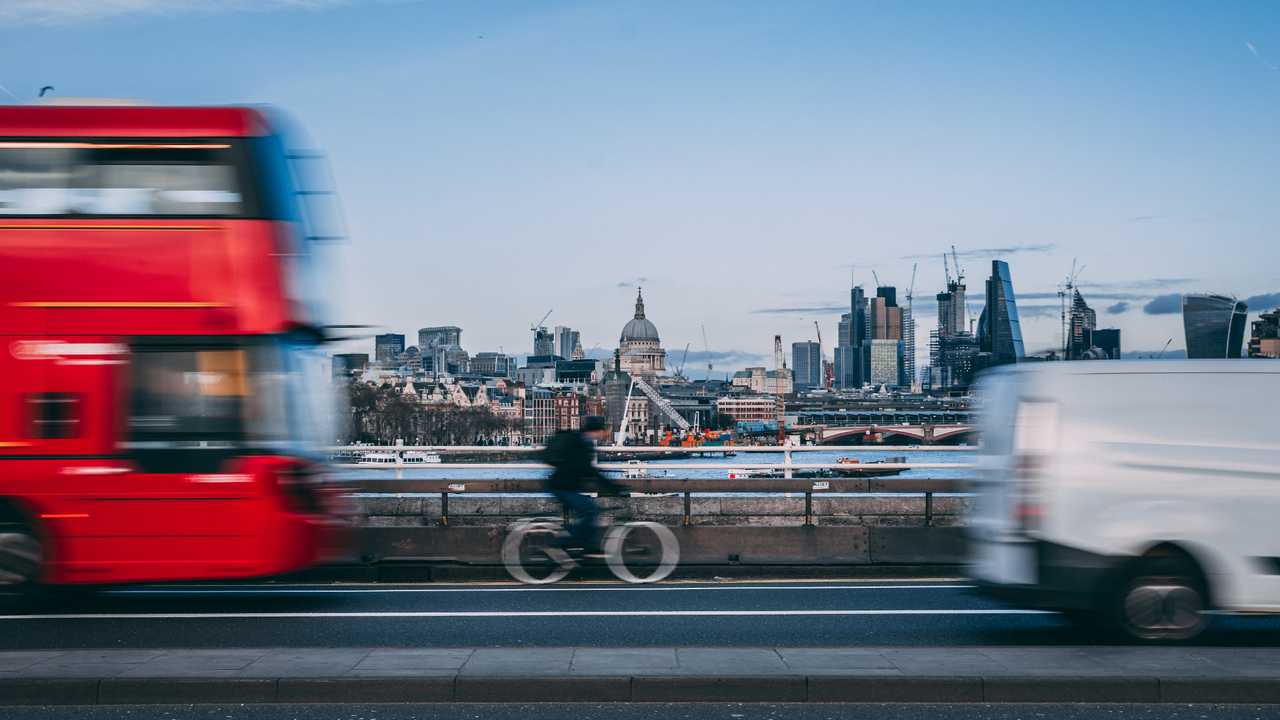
(37, 12)
(1266, 301)
(811, 310)
(717, 357)
(1118, 308)
(989, 252)
(1254, 51)
(637, 282)
(1156, 283)
(1164, 305)
(1039, 311)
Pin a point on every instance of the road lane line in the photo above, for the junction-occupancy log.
(511, 614)
(520, 588)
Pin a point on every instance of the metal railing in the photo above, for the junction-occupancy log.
(786, 466)
(684, 487)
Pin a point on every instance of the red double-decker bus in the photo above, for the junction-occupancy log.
(159, 374)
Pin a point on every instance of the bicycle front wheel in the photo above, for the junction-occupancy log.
(641, 552)
(530, 555)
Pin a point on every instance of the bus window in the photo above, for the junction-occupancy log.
(184, 398)
(194, 179)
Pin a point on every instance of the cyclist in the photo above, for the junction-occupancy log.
(571, 454)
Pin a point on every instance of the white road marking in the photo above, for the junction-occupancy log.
(519, 588)
(511, 614)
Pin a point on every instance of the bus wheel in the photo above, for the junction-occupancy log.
(21, 558)
(1164, 599)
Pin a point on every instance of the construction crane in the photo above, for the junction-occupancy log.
(1065, 298)
(680, 370)
(822, 361)
(955, 261)
(706, 347)
(876, 278)
(946, 269)
(780, 366)
(534, 327)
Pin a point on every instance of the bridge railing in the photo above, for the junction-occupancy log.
(665, 485)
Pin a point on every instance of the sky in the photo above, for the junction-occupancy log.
(743, 161)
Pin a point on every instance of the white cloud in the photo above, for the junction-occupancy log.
(1258, 55)
(37, 12)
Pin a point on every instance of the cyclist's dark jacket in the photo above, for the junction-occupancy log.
(571, 456)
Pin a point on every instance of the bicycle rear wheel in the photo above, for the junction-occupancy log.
(531, 556)
(641, 552)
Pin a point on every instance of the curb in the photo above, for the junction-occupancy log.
(641, 688)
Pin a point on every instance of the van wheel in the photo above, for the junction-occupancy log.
(1163, 599)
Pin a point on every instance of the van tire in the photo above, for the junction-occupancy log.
(1162, 598)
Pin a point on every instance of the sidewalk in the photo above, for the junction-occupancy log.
(519, 675)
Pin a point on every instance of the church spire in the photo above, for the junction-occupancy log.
(639, 303)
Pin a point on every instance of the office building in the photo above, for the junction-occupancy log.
(951, 309)
(999, 331)
(387, 347)
(1264, 341)
(544, 341)
(348, 364)
(432, 337)
(806, 364)
(908, 347)
(492, 364)
(1214, 326)
(1107, 343)
(757, 408)
(567, 342)
(852, 360)
(1080, 326)
(886, 362)
(539, 415)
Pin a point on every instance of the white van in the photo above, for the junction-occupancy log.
(1140, 493)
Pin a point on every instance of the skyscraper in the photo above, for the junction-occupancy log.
(885, 353)
(886, 362)
(544, 342)
(999, 331)
(567, 339)
(1214, 325)
(387, 347)
(431, 337)
(1081, 324)
(806, 363)
(852, 361)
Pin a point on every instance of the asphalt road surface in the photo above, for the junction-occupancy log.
(795, 614)
(653, 711)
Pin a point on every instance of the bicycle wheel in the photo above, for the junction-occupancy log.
(530, 555)
(641, 552)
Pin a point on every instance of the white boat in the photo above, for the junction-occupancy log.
(635, 470)
(377, 458)
(419, 458)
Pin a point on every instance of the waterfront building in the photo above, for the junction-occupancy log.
(1264, 340)
(539, 415)
(640, 348)
(806, 364)
(387, 347)
(1214, 325)
(748, 408)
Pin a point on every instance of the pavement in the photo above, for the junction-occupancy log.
(630, 674)
(809, 641)
(727, 613)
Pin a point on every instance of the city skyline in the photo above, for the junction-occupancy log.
(577, 150)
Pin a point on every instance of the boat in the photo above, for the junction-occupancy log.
(853, 467)
(635, 470)
(414, 457)
(411, 457)
(377, 458)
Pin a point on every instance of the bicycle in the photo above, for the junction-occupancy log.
(532, 546)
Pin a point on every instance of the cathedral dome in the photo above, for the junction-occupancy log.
(639, 327)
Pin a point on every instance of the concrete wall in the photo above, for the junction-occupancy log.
(726, 530)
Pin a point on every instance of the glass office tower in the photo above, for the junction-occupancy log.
(1214, 325)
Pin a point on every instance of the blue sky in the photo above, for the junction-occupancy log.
(742, 158)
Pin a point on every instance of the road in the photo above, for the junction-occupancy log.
(653, 711)
(794, 614)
